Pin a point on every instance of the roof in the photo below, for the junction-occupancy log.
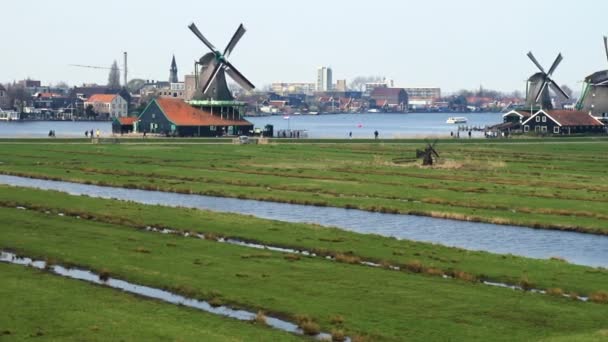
(524, 114)
(182, 114)
(127, 120)
(105, 98)
(386, 91)
(569, 118)
(49, 95)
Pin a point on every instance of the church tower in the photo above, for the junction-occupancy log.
(173, 71)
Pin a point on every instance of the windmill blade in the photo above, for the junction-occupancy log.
(557, 89)
(531, 56)
(606, 46)
(558, 59)
(541, 90)
(200, 36)
(235, 39)
(209, 75)
(434, 152)
(238, 77)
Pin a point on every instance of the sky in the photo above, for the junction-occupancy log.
(449, 44)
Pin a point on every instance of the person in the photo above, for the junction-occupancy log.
(375, 134)
(452, 134)
(350, 134)
(98, 132)
(469, 134)
(50, 133)
(91, 133)
(86, 134)
(144, 133)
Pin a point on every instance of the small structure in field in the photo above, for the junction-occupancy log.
(429, 155)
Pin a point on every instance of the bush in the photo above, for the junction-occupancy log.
(260, 318)
(555, 291)
(599, 297)
(337, 335)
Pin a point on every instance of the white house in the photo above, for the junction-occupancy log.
(112, 105)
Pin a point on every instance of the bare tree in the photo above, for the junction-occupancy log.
(135, 85)
(358, 83)
(114, 77)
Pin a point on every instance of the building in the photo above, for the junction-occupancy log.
(423, 93)
(173, 72)
(293, 88)
(324, 79)
(189, 87)
(4, 99)
(390, 99)
(562, 122)
(370, 86)
(340, 85)
(113, 106)
(175, 117)
(122, 125)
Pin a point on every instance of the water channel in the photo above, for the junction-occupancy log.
(576, 248)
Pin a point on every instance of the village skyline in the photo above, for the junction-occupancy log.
(436, 43)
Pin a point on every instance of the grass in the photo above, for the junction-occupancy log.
(39, 305)
(541, 183)
(372, 302)
(416, 257)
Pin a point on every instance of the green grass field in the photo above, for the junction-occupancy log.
(557, 184)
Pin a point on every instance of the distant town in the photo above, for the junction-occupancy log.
(32, 99)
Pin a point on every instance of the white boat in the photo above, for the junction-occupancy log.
(373, 110)
(456, 120)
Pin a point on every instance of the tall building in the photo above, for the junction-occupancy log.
(324, 80)
(173, 71)
(341, 85)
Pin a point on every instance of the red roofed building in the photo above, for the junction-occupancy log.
(124, 125)
(175, 117)
(562, 122)
(390, 99)
(112, 105)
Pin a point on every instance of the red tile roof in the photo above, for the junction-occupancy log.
(104, 98)
(48, 95)
(127, 120)
(573, 118)
(182, 114)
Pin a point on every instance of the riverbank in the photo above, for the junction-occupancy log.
(539, 183)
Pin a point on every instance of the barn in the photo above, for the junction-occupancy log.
(171, 116)
(562, 122)
(123, 125)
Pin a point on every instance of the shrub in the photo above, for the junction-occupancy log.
(599, 297)
(337, 320)
(310, 328)
(555, 291)
(104, 274)
(337, 335)
(215, 302)
(465, 276)
(260, 318)
(347, 258)
(525, 283)
(433, 271)
(414, 266)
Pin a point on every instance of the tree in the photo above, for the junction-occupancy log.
(114, 77)
(135, 85)
(358, 83)
(89, 111)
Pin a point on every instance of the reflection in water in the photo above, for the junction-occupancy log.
(577, 248)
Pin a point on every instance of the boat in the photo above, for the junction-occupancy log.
(456, 120)
(373, 110)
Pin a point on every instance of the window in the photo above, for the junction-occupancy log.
(544, 119)
(526, 128)
(543, 129)
(538, 119)
(556, 129)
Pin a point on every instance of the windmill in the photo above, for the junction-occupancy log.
(214, 66)
(429, 155)
(537, 87)
(594, 98)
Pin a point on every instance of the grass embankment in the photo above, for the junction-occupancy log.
(350, 247)
(43, 307)
(558, 185)
(380, 304)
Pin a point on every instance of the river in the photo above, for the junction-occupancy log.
(389, 126)
(577, 248)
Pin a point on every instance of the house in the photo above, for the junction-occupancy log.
(4, 99)
(393, 99)
(562, 122)
(123, 125)
(175, 117)
(112, 106)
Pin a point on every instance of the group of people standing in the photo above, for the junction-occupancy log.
(87, 134)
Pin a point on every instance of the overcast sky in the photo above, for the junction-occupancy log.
(449, 44)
